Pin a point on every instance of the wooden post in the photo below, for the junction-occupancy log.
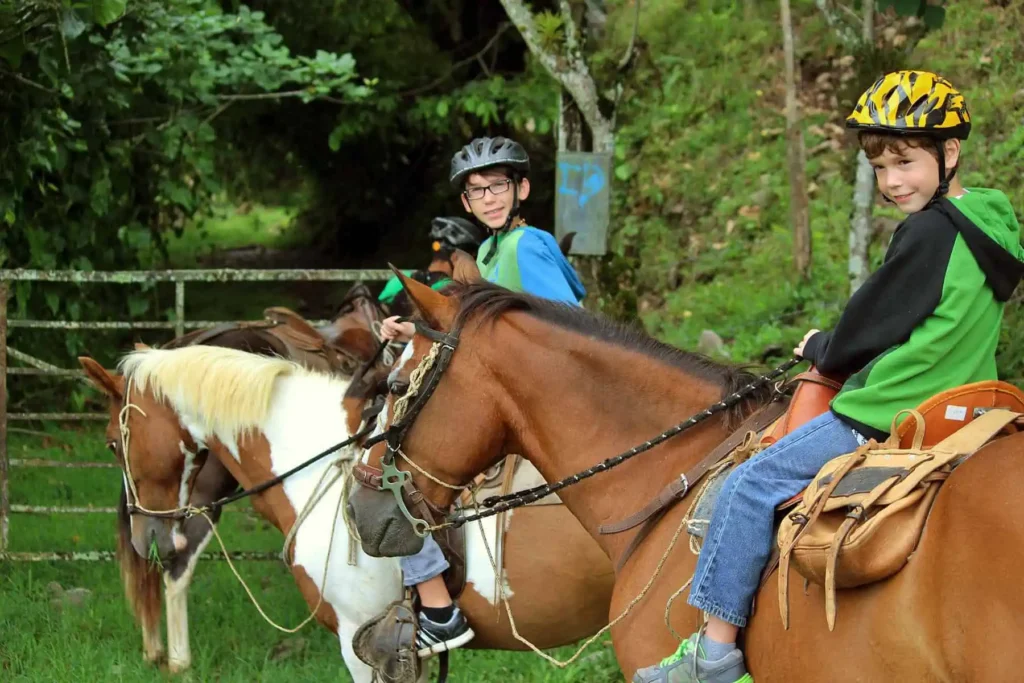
(179, 308)
(798, 200)
(5, 502)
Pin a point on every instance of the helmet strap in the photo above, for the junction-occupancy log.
(944, 178)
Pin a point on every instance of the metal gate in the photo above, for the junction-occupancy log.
(39, 367)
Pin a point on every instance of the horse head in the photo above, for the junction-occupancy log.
(160, 460)
(452, 444)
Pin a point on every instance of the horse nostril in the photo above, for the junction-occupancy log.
(399, 388)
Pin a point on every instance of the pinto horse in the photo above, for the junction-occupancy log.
(352, 333)
(954, 613)
(260, 417)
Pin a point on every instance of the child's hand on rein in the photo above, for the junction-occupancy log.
(392, 330)
(799, 350)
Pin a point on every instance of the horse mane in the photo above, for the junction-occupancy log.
(485, 303)
(227, 391)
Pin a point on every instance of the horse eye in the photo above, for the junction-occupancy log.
(112, 446)
(398, 387)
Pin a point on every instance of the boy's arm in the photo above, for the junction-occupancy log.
(893, 301)
(539, 272)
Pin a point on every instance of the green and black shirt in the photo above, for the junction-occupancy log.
(928, 319)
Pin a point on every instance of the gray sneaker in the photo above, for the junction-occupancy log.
(688, 665)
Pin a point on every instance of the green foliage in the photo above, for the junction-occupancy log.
(700, 209)
(932, 14)
(109, 140)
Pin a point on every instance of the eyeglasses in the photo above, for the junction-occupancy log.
(500, 187)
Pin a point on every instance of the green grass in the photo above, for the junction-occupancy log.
(99, 641)
(230, 227)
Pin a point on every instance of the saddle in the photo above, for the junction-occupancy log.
(863, 514)
(286, 334)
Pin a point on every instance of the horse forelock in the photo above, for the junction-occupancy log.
(224, 392)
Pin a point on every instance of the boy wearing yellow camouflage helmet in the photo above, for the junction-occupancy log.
(927, 320)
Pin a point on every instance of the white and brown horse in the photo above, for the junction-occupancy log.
(954, 613)
(259, 417)
(351, 336)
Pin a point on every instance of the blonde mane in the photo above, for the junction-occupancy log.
(224, 391)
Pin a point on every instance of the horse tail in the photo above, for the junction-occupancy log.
(141, 579)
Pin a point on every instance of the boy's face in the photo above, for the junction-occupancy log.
(909, 176)
(493, 207)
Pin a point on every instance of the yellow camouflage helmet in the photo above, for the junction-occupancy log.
(912, 103)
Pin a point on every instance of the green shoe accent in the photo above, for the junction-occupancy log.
(685, 648)
(746, 678)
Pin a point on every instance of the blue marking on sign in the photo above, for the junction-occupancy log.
(593, 182)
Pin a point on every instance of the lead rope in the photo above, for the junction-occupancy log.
(590, 641)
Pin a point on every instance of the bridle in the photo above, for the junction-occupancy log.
(188, 510)
(388, 478)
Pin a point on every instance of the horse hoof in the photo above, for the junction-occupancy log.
(178, 667)
(154, 657)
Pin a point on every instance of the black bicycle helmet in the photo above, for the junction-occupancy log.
(454, 232)
(484, 153)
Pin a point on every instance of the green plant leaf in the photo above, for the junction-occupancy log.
(106, 12)
(934, 17)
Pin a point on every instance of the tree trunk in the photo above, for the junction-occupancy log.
(860, 226)
(864, 190)
(569, 68)
(799, 203)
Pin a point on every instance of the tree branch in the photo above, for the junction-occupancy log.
(624, 62)
(262, 95)
(572, 34)
(573, 75)
(22, 79)
(458, 65)
(842, 30)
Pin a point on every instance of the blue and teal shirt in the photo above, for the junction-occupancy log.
(529, 261)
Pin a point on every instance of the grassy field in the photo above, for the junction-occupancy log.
(44, 641)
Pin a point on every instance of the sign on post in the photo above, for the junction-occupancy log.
(582, 200)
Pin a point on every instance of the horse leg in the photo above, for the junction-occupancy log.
(176, 582)
(360, 672)
(141, 586)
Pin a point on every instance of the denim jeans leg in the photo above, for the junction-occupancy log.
(426, 564)
(739, 539)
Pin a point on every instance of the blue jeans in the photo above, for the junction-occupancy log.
(739, 540)
(426, 564)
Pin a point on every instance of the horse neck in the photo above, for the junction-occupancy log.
(570, 401)
(305, 418)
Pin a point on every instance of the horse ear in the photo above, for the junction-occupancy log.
(464, 268)
(109, 383)
(437, 310)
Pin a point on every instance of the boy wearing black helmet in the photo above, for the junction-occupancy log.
(491, 177)
(447, 233)
(490, 174)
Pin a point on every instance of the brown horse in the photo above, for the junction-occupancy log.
(353, 334)
(954, 613)
(222, 387)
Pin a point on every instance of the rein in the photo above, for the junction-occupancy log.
(390, 478)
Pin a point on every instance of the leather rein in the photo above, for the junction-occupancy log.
(388, 478)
